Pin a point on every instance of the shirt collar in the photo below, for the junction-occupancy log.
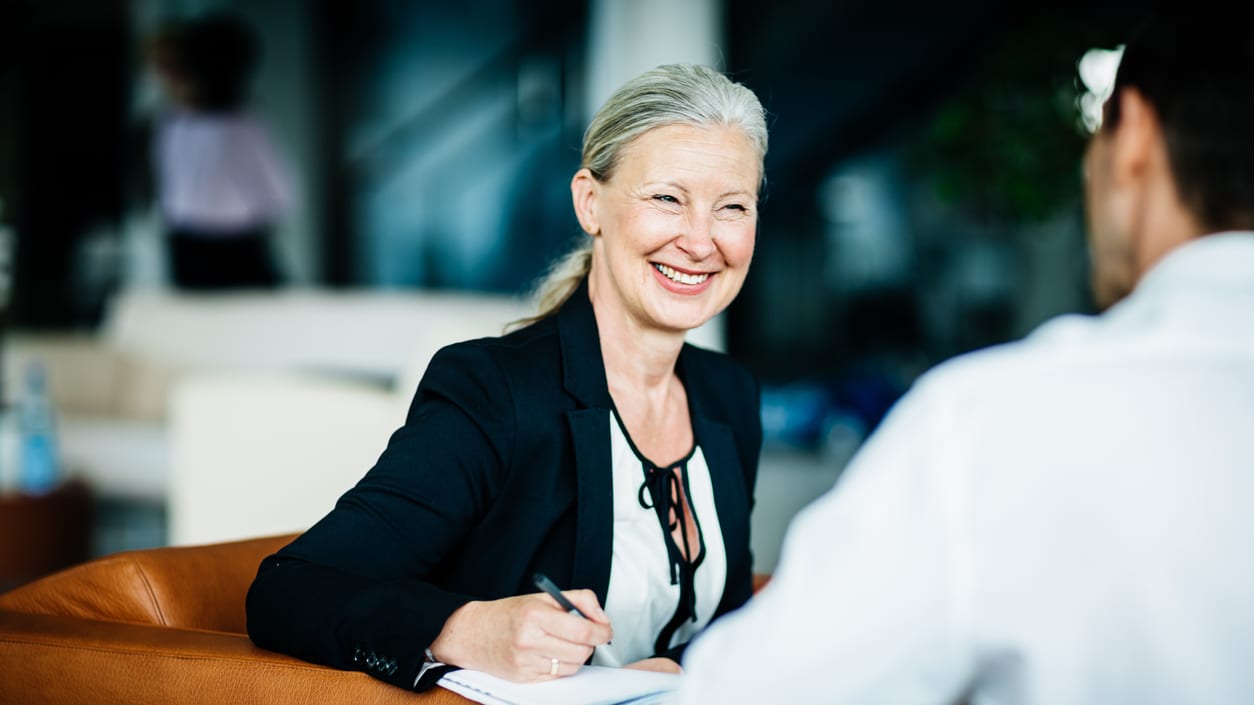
(1222, 260)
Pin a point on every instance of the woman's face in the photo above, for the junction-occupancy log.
(674, 226)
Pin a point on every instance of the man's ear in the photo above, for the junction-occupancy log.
(1138, 138)
(584, 192)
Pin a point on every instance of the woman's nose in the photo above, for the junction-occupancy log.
(697, 239)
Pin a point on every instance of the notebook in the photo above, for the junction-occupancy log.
(592, 685)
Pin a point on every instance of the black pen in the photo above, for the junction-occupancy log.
(543, 582)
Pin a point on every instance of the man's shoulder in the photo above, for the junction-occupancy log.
(1070, 342)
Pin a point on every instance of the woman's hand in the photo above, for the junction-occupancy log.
(661, 664)
(517, 638)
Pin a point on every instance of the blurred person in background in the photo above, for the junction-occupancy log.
(1068, 519)
(220, 183)
(593, 445)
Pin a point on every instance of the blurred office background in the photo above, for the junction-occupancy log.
(923, 197)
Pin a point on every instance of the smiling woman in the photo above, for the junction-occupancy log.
(673, 228)
(592, 445)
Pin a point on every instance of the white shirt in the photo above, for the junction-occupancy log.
(219, 172)
(641, 600)
(1067, 520)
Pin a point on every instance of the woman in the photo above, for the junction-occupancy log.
(534, 452)
(221, 183)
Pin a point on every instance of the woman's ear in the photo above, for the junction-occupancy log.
(584, 192)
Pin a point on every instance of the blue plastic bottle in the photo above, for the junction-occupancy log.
(37, 461)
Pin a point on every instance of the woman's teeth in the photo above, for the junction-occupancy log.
(680, 276)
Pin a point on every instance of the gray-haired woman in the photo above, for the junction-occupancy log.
(592, 445)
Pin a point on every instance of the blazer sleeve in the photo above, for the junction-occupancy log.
(354, 592)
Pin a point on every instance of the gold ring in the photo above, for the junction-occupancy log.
(553, 666)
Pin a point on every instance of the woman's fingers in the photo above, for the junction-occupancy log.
(586, 601)
(518, 638)
(538, 641)
(571, 627)
(563, 669)
(660, 664)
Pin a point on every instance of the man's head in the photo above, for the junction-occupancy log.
(1174, 158)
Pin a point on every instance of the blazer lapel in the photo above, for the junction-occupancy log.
(583, 376)
(594, 509)
(583, 370)
(727, 477)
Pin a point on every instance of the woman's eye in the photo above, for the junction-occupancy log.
(665, 198)
(736, 206)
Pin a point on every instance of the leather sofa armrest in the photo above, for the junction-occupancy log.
(55, 659)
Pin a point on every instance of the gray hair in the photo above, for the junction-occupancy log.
(672, 94)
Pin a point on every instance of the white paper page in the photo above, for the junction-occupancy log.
(592, 685)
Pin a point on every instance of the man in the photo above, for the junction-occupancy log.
(1069, 519)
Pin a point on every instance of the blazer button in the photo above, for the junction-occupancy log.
(357, 656)
(372, 660)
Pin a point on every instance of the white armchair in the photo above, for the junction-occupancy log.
(258, 455)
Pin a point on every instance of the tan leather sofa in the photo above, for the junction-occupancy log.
(162, 626)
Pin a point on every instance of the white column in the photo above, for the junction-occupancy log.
(628, 37)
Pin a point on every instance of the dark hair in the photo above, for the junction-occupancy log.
(217, 54)
(1197, 71)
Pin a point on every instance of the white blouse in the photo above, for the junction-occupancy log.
(641, 599)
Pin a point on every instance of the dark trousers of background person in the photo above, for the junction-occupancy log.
(202, 260)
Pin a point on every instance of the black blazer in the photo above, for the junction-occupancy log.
(502, 469)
